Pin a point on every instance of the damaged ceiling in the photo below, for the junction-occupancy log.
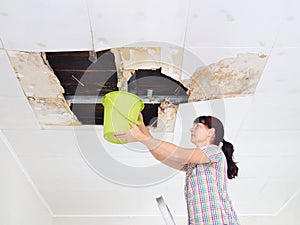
(42, 89)
(65, 88)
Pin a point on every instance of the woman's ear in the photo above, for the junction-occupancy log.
(212, 132)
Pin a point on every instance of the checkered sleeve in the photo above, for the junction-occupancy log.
(214, 153)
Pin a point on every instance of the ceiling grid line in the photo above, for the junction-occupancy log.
(287, 202)
(23, 170)
(90, 25)
(1, 42)
(271, 49)
(187, 24)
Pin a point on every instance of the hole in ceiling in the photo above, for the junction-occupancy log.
(86, 82)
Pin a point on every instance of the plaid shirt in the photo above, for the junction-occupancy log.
(206, 191)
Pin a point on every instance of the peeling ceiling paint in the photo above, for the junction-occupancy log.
(42, 89)
(230, 77)
(166, 117)
(169, 59)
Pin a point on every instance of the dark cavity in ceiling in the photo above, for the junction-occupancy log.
(85, 83)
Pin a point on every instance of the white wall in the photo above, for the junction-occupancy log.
(19, 203)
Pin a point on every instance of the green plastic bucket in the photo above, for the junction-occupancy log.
(119, 107)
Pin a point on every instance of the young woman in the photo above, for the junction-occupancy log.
(207, 167)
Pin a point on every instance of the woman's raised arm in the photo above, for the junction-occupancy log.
(162, 150)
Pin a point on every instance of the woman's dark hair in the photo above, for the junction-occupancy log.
(227, 147)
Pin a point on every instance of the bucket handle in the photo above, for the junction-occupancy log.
(139, 120)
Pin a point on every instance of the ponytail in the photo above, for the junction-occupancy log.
(232, 169)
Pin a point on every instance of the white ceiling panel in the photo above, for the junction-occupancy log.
(253, 196)
(233, 24)
(288, 36)
(119, 23)
(213, 55)
(236, 110)
(243, 191)
(113, 202)
(9, 85)
(265, 143)
(289, 168)
(269, 112)
(70, 187)
(16, 113)
(276, 191)
(289, 102)
(58, 174)
(268, 163)
(45, 25)
(43, 143)
(281, 74)
(68, 184)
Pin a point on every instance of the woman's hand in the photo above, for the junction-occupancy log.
(136, 133)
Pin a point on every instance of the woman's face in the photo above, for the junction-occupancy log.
(200, 134)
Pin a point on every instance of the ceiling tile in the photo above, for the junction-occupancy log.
(101, 202)
(286, 101)
(208, 56)
(254, 195)
(269, 112)
(233, 24)
(17, 185)
(281, 74)
(289, 167)
(288, 36)
(243, 191)
(70, 187)
(9, 85)
(265, 143)
(16, 113)
(138, 23)
(58, 170)
(45, 25)
(268, 164)
(44, 143)
(278, 191)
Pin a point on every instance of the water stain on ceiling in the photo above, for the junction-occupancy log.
(65, 88)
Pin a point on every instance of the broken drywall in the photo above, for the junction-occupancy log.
(42, 89)
(123, 76)
(231, 77)
(168, 58)
(142, 58)
(166, 117)
(171, 62)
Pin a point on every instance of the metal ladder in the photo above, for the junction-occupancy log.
(168, 218)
